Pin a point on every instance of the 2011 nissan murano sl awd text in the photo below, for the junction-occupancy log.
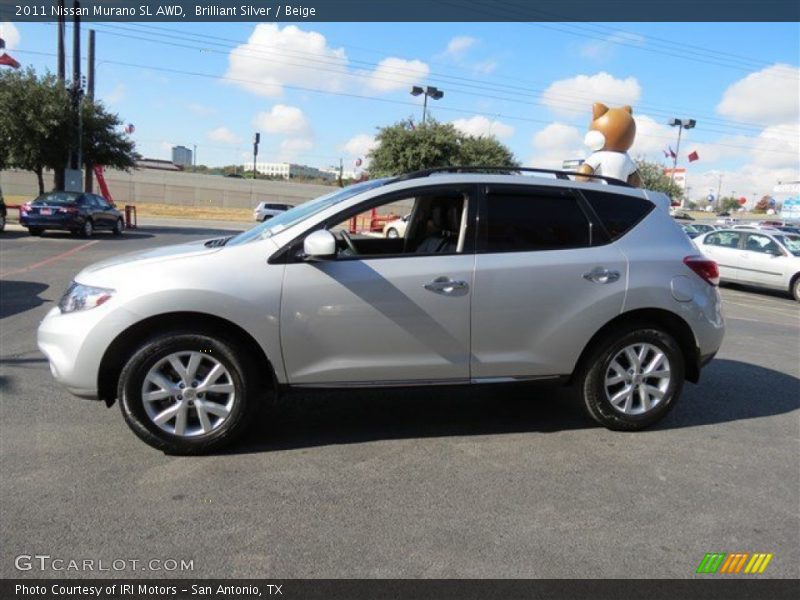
(498, 278)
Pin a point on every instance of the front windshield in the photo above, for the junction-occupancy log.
(302, 211)
(790, 242)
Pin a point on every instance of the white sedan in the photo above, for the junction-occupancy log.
(758, 258)
(396, 228)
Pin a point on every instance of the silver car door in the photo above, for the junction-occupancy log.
(378, 320)
(539, 284)
(760, 261)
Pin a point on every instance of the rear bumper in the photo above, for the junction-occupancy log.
(65, 222)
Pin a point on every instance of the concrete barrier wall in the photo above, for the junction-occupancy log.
(178, 188)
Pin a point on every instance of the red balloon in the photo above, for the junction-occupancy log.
(742, 200)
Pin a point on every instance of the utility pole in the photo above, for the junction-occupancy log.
(341, 172)
(719, 189)
(88, 178)
(256, 140)
(194, 156)
(61, 28)
(75, 159)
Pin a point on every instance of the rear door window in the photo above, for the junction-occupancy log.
(518, 221)
(618, 213)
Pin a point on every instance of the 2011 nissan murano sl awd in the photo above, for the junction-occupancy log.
(497, 278)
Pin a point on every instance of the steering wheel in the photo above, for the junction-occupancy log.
(348, 242)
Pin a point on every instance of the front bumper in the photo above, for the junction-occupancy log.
(75, 343)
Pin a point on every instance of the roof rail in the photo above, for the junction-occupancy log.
(507, 170)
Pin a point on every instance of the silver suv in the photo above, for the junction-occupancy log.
(499, 278)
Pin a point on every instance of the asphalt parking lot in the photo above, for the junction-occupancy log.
(474, 483)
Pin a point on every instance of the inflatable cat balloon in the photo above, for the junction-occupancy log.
(610, 136)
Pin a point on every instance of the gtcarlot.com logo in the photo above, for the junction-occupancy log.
(45, 562)
(734, 563)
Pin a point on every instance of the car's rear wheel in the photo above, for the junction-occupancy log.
(88, 229)
(187, 393)
(2, 222)
(392, 233)
(632, 379)
(119, 227)
(37, 231)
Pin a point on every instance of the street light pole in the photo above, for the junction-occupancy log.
(429, 92)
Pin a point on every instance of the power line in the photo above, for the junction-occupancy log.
(314, 63)
(382, 100)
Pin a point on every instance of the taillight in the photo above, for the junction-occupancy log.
(25, 208)
(704, 267)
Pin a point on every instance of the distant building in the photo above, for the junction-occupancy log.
(182, 156)
(290, 171)
(157, 164)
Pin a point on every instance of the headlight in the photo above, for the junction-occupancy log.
(83, 297)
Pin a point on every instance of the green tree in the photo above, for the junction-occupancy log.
(728, 203)
(36, 124)
(404, 147)
(653, 178)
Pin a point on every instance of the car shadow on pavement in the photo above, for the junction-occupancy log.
(128, 235)
(730, 391)
(18, 296)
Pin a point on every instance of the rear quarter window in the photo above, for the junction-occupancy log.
(618, 213)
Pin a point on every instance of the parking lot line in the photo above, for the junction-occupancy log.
(48, 260)
(773, 310)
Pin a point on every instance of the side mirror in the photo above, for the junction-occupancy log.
(319, 245)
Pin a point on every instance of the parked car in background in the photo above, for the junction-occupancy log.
(266, 210)
(723, 213)
(76, 212)
(789, 228)
(396, 228)
(755, 257)
(681, 214)
(755, 227)
(690, 230)
(3, 212)
(726, 221)
(499, 278)
(703, 227)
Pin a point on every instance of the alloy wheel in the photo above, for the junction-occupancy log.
(637, 379)
(188, 393)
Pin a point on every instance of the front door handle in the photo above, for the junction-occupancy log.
(447, 286)
(601, 275)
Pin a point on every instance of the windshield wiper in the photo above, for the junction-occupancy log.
(217, 242)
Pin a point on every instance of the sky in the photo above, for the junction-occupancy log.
(317, 92)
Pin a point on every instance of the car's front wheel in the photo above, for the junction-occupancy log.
(187, 393)
(392, 233)
(88, 229)
(796, 288)
(632, 379)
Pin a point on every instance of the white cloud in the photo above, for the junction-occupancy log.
(556, 143)
(10, 34)
(274, 57)
(458, 46)
(292, 148)
(360, 145)
(578, 93)
(288, 120)
(224, 135)
(769, 96)
(201, 110)
(481, 126)
(604, 49)
(485, 67)
(778, 146)
(397, 73)
(116, 95)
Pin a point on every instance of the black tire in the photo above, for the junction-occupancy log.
(36, 231)
(119, 227)
(590, 382)
(392, 233)
(87, 230)
(796, 287)
(243, 374)
(2, 222)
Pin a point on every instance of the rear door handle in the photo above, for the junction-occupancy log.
(601, 275)
(447, 286)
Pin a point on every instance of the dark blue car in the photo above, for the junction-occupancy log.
(77, 212)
